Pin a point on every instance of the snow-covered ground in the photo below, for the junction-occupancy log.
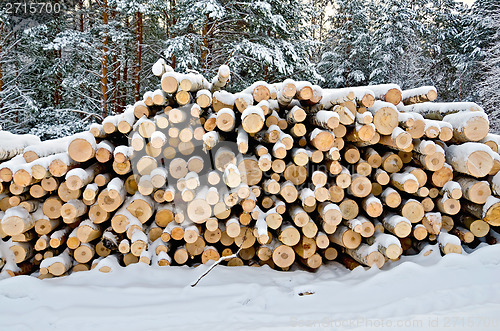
(455, 292)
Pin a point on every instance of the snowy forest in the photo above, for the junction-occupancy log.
(95, 57)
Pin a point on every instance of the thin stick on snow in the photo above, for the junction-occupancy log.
(223, 258)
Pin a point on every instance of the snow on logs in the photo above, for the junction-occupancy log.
(419, 95)
(280, 174)
(12, 144)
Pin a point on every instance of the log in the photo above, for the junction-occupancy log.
(412, 210)
(225, 120)
(448, 205)
(58, 265)
(126, 121)
(449, 243)
(345, 237)
(372, 206)
(142, 207)
(321, 139)
(296, 174)
(343, 179)
(492, 140)
(367, 255)
(385, 117)
(349, 209)
(437, 110)
(398, 225)
(405, 182)
(252, 119)
(381, 177)
(44, 149)
(298, 215)
(313, 262)
(72, 210)
(324, 119)
(387, 92)
(440, 177)
(58, 238)
(432, 222)
(44, 225)
(399, 139)
(104, 151)
(72, 241)
(391, 162)
(472, 189)
(88, 231)
(283, 256)
(78, 178)
(360, 186)
(112, 196)
(479, 228)
(463, 234)
(352, 154)
(489, 212)
(289, 192)
(372, 157)
(242, 140)
(346, 114)
(468, 125)
(419, 95)
(386, 244)
(16, 220)
(82, 147)
(432, 162)
(332, 97)
(60, 164)
(390, 197)
(362, 133)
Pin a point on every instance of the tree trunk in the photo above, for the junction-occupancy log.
(139, 36)
(1, 59)
(104, 61)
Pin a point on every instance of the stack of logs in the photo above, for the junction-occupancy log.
(275, 174)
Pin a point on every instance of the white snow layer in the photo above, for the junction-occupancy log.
(443, 107)
(10, 141)
(423, 90)
(140, 297)
(49, 147)
(458, 153)
(224, 97)
(382, 89)
(461, 119)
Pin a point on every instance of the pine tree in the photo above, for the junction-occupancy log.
(18, 109)
(489, 86)
(264, 40)
(95, 59)
(396, 55)
(444, 53)
(138, 42)
(320, 23)
(345, 58)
